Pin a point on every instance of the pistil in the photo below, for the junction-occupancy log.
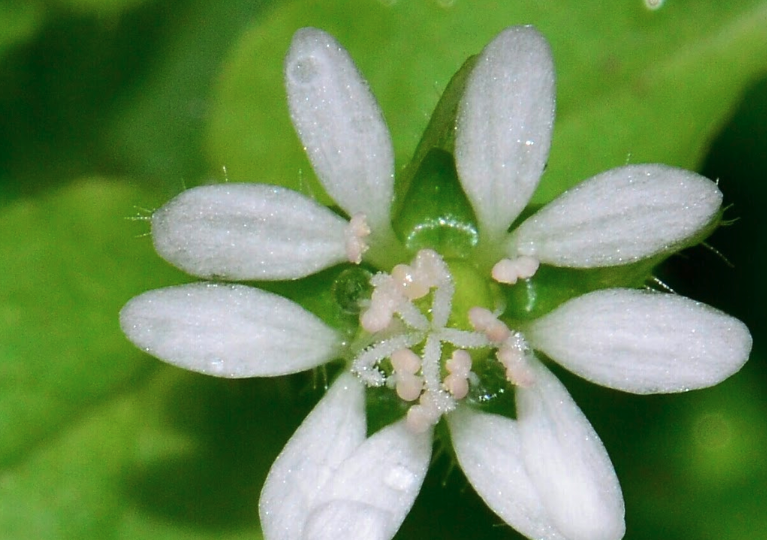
(407, 319)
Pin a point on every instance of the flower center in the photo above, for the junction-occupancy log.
(411, 348)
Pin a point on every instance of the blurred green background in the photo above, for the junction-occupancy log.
(110, 107)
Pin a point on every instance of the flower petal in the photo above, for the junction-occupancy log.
(642, 342)
(381, 478)
(567, 462)
(333, 430)
(341, 520)
(618, 217)
(488, 448)
(228, 330)
(340, 125)
(504, 126)
(248, 231)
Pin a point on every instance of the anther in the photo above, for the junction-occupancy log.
(410, 282)
(376, 318)
(484, 321)
(510, 270)
(409, 386)
(355, 235)
(459, 363)
(459, 367)
(405, 361)
(457, 385)
(384, 302)
(424, 415)
(513, 355)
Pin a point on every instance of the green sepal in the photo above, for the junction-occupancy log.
(435, 212)
(439, 133)
(430, 208)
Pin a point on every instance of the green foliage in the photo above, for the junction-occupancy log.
(633, 85)
(98, 7)
(84, 415)
(97, 440)
(18, 22)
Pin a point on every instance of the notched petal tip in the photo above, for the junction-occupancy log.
(331, 482)
(340, 125)
(385, 474)
(567, 462)
(643, 342)
(619, 217)
(248, 232)
(229, 331)
(488, 448)
(327, 437)
(504, 126)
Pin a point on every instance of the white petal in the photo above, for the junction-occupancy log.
(618, 217)
(347, 520)
(248, 231)
(567, 462)
(228, 330)
(382, 477)
(333, 430)
(504, 126)
(489, 451)
(643, 342)
(340, 125)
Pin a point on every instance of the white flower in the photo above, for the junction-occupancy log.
(545, 473)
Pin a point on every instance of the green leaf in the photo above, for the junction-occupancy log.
(69, 262)
(709, 450)
(634, 85)
(19, 20)
(90, 426)
(159, 124)
(99, 7)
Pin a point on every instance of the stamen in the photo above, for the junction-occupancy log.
(459, 363)
(422, 416)
(457, 382)
(387, 299)
(355, 235)
(457, 386)
(412, 285)
(409, 386)
(513, 355)
(384, 302)
(397, 323)
(510, 270)
(484, 321)
(405, 361)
